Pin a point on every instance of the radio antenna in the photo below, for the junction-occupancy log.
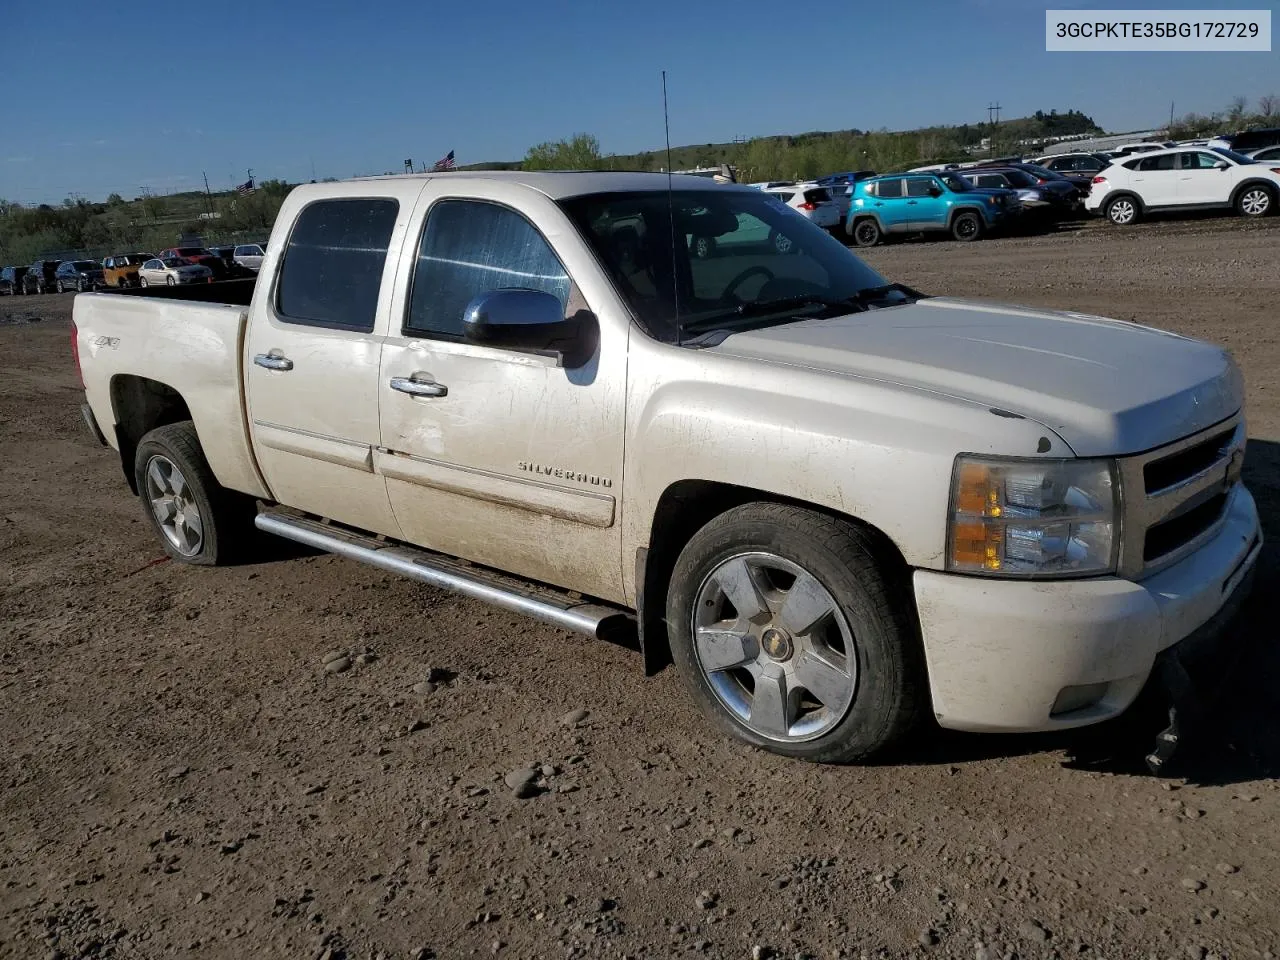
(671, 214)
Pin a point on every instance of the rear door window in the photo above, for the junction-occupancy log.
(919, 186)
(332, 266)
(470, 247)
(1165, 161)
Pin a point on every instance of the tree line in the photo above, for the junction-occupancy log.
(81, 228)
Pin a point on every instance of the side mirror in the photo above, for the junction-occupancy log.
(1221, 165)
(530, 320)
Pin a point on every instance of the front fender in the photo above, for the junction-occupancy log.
(875, 450)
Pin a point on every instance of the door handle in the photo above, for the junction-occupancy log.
(879, 203)
(912, 203)
(273, 362)
(416, 387)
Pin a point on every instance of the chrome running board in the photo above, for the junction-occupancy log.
(544, 603)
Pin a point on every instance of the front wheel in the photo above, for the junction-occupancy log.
(170, 281)
(1254, 202)
(1123, 211)
(866, 233)
(197, 519)
(966, 226)
(142, 282)
(793, 633)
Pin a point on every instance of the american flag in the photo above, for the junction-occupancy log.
(246, 187)
(445, 162)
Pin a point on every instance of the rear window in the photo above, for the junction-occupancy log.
(817, 196)
(333, 262)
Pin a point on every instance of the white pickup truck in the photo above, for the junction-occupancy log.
(837, 504)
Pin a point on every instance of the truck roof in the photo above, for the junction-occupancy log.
(559, 184)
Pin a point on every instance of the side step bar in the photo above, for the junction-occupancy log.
(535, 600)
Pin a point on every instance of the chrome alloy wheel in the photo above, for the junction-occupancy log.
(1255, 202)
(174, 506)
(1122, 211)
(774, 647)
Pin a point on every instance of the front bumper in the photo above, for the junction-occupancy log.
(1017, 656)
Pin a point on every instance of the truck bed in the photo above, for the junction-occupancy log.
(236, 292)
(167, 336)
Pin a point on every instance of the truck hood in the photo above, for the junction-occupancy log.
(1106, 387)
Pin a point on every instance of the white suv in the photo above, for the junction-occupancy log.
(811, 200)
(1184, 178)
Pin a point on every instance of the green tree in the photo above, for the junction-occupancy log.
(115, 200)
(579, 152)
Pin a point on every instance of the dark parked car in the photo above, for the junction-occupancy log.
(78, 275)
(1052, 199)
(1084, 163)
(11, 280)
(40, 276)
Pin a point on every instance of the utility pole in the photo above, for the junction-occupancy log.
(207, 192)
(1170, 130)
(993, 121)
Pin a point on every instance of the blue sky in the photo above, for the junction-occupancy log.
(151, 95)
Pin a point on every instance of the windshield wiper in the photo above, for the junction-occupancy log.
(761, 307)
(877, 293)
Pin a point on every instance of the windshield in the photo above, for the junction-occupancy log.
(956, 182)
(736, 253)
(1232, 155)
(191, 252)
(86, 265)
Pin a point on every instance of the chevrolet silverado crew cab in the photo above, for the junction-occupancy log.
(836, 503)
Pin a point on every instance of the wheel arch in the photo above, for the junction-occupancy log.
(1117, 194)
(684, 508)
(855, 216)
(967, 208)
(1267, 185)
(138, 406)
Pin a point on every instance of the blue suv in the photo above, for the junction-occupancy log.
(904, 203)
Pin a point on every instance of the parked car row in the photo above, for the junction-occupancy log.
(171, 266)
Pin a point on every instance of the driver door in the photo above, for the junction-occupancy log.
(502, 457)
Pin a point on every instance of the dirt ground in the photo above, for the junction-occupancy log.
(181, 777)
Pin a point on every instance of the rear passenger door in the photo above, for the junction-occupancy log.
(510, 459)
(1156, 179)
(890, 205)
(313, 349)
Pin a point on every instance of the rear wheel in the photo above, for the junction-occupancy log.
(170, 281)
(197, 519)
(966, 226)
(1123, 211)
(866, 233)
(1255, 201)
(791, 635)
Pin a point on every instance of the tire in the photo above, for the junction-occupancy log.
(1255, 201)
(197, 520)
(1123, 211)
(142, 282)
(863, 648)
(704, 247)
(169, 281)
(58, 287)
(866, 233)
(966, 226)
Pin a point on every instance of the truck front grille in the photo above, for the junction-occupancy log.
(1166, 537)
(1172, 470)
(1176, 496)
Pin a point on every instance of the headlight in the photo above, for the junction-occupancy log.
(1033, 518)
